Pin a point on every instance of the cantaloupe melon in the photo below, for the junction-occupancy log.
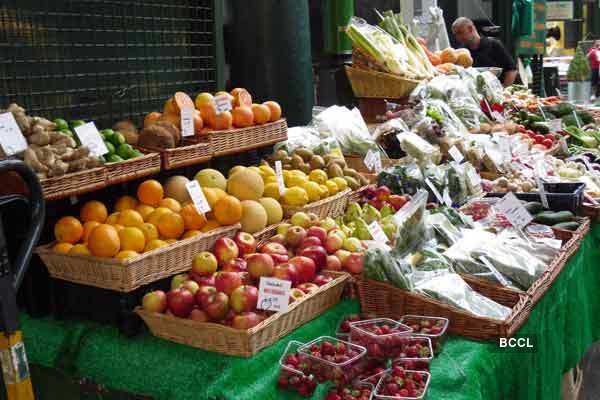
(211, 178)
(175, 188)
(273, 209)
(246, 185)
(254, 216)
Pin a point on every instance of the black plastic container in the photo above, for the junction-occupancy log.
(561, 196)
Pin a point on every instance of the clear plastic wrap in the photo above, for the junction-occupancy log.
(442, 113)
(444, 230)
(410, 222)
(490, 87)
(416, 147)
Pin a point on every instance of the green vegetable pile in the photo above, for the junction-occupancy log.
(118, 149)
(579, 69)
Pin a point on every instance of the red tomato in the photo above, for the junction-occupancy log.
(539, 139)
(548, 143)
(531, 133)
(550, 136)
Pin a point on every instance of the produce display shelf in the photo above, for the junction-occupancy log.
(74, 184)
(235, 141)
(132, 169)
(332, 206)
(191, 153)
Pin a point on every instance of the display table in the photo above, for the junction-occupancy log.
(562, 326)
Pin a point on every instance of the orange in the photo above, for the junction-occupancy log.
(210, 225)
(223, 121)
(191, 233)
(130, 218)
(262, 113)
(104, 241)
(242, 117)
(125, 254)
(80, 250)
(208, 113)
(228, 211)
(112, 218)
(87, 229)
(198, 123)
(132, 239)
(170, 225)
(118, 227)
(275, 110)
(192, 219)
(213, 195)
(93, 211)
(145, 210)
(150, 231)
(154, 244)
(150, 192)
(203, 98)
(126, 203)
(241, 97)
(151, 118)
(64, 247)
(68, 229)
(171, 204)
(154, 217)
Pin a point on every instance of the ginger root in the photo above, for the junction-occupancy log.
(59, 168)
(31, 159)
(40, 138)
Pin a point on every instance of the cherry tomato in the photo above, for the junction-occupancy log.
(539, 139)
(548, 143)
(549, 136)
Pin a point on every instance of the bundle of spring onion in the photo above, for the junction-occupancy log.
(395, 56)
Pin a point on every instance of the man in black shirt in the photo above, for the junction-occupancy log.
(486, 51)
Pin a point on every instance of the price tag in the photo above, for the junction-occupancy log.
(494, 271)
(187, 122)
(273, 294)
(473, 177)
(456, 154)
(11, 137)
(435, 191)
(446, 197)
(90, 137)
(373, 161)
(542, 112)
(197, 195)
(577, 119)
(543, 195)
(279, 174)
(222, 103)
(504, 143)
(514, 211)
(377, 232)
(563, 146)
(555, 125)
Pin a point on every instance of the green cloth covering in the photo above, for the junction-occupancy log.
(529, 26)
(522, 18)
(565, 323)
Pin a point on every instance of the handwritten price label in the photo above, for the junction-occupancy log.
(279, 174)
(11, 137)
(273, 294)
(187, 122)
(90, 137)
(377, 232)
(456, 154)
(222, 104)
(514, 211)
(197, 195)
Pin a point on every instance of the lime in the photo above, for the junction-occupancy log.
(66, 131)
(77, 122)
(137, 153)
(125, 150)
(110, 147)
(117, 138)
(61, 124)
(114, 158)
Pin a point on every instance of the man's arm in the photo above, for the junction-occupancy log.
(509, 77)
(507, 63)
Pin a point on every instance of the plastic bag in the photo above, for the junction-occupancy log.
(490, 87)
(444, 230)
(430, 259)
(386, 136)
(410, 222)
(382, 265)
(402, 179)
(416, 147)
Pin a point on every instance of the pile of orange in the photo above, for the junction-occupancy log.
(140, 224)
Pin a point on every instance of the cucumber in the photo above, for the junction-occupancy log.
(567, 226)
(534, 207)
(553, 217)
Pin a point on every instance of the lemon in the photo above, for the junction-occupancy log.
(318, 175)
(313, 191)
(295, 196)
(235, 169)
(255, 169)
(266, 171)
(270, 179)
(295, 180)
(297, 172)
(324, 191)
(341, 183)
(272, 191)
(332, 187)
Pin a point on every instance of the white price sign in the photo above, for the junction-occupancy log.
(543, 195)
(11, 137)
(498, 117)
(473, 177)
(377, 232)
(514, 211)
(446, 197)
(373, 161)
(222, 103)
(197, 195)
(90, 137)
(187, 122)
(273, 294)
(279, 174)
(456, 154)
(435, 191)
(555, 125)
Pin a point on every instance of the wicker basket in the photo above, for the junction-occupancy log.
(372, 84)
(266, 233)
(385, 300)
(236, 141)
(134, 168)
(74, 184)
(191, 153)
(128, 275)
(329, 207)
(245, 343)
(591, 211)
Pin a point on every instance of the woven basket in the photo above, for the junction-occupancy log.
(591, 211)
(266, 233)
(134, 168)
(74, 184)
(245, 343)
(356, 196)
(331, 206)
(372, 84)
(191, 153)
(236, 141)
(384, 300)
(128, 275)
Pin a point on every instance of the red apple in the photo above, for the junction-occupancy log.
(397, 202)
(244, 298)
(217, 306)
(204, 263)
(318, 232)
(198, 315)
(382, 193)
(378, 204)
(333, 263)
(354, 263)
(192, 286)
(246, 320)
(155, 301)
(309, 241)
(246, 279)
(280, 258)
(296, 294)
(227, 282)
(235, 265)
(246, 243)
(333, 243)
(279, 238)
(273, 248)
(180, 302)
(314, 219)
(337, 232)
(321, 280)
(317, 254)
(228, 318)
(225, 249)
(306, 268)
(286, 272)
(203, 280)
(308, 287)
(294, 236)
(178, 280)
(342, 255)
(202, 295)
(260, 264)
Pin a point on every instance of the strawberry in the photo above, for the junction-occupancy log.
(403, 393)
(292, 359)
(391, 388)
(417, 377)
(340, 348)
(327, 348)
